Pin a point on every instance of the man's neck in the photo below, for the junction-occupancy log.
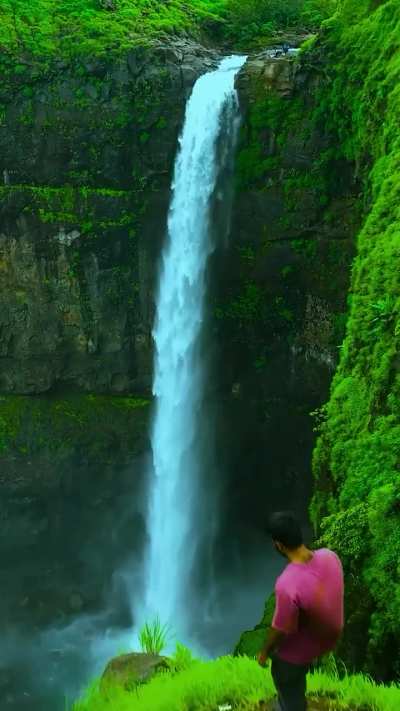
(300, 555)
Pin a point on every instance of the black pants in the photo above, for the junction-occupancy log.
(290, 683)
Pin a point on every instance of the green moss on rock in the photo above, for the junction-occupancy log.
(31, 425)
(252, 641)
(356, 462)
(89, 209)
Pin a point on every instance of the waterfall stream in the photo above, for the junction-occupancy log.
(179, 374)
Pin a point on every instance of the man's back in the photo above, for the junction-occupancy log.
(309, 607)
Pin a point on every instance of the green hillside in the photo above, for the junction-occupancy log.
(356, 503)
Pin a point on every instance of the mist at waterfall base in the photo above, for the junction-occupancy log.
(224, 572)
(51, 668)
(50, 657)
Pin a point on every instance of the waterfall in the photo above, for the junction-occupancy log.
(179, 370)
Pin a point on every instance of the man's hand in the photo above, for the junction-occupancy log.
(262, 658)
(273, 638)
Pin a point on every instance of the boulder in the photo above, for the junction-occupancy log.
(127, 670)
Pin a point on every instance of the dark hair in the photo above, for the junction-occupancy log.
(284, 527)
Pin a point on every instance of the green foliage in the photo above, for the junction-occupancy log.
(83, 207)
(314, 12)
(254, 21)
(269, 610)
(353, 691)
(306, 247)
(31, 424)
(347, 533)
(239, 682)
(254, 165)
(153, 636)
(251, 642)
(330, 666)
(182, 659)
(246, 307)
(74, 28)
(77, 27)
(385, 313)
(356, 461)
(257, 18)
(272, 124)
(204, 686)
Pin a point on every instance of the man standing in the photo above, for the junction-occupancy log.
(308, 618)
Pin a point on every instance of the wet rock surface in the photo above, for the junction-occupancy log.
(280, 287)
(86, 155)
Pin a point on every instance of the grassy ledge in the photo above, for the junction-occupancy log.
(239, 682)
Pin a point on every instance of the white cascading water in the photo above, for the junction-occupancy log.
(179, 370)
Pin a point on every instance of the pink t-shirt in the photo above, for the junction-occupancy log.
(309, 607)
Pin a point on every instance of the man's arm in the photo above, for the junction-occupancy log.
(273, 638)
(284, 622)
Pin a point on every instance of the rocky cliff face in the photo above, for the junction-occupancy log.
(86, 157)
(86, 154)
(281, 286)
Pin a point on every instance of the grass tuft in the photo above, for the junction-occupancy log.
(153, 637)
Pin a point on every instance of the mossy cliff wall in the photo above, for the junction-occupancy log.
(280, 299)
(357, 458)
(86, 155)
(355, 507)
(71, 479)
(87, 146)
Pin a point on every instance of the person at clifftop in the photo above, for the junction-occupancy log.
(308, 617)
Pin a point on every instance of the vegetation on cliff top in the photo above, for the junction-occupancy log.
(76, 27)
(71, 28)
(251, 23)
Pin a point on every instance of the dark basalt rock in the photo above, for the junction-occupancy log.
(280, 289)
(86, 155)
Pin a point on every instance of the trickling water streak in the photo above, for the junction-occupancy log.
(179, 371)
